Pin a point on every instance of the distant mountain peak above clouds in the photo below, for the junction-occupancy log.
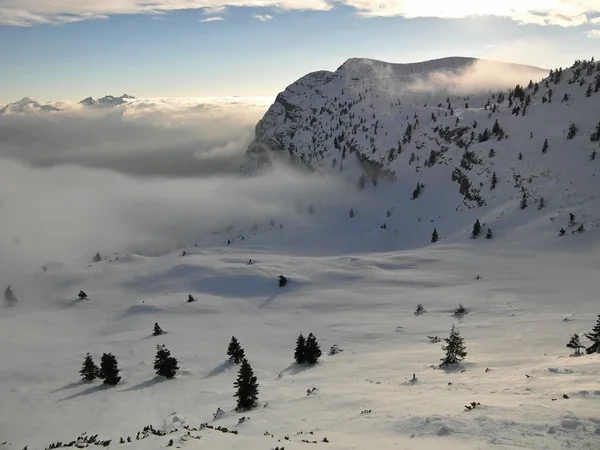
(106, 101)
(27, 105)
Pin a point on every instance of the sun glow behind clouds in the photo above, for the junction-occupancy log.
(540, 12)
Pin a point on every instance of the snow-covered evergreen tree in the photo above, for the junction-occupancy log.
(455, 348)
(594, 336)
(575, 344)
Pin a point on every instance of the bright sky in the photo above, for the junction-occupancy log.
(71, 49)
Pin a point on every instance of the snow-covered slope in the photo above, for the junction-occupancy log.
(107, 101)
(27, 106)
(357, 264)
(447, 125)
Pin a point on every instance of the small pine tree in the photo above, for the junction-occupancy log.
(435, 237)
(593, 156)
(164, 364)
(460, 311)
(494, 181)
(520, 156)
(488, 235)
(235, 351)
(562, 232)
(97, 257)
(9, 297)
(476, 230)
(109, 369)
(247, 388)
(312, 350)
(89, 370)
(82, 295)
(594, 336)
(492, 153)
(572, 131)
(300, 352)
(523, 204)
(542, 203)
(455, 348)
(351, 214)
(283, 281)
(575, 344)
(157, 330)
(417, 191)
(420, 310)
(545, 146)
(571, 219)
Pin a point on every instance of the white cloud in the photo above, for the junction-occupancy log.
(540, 12)
(593, 34)
(212, 19)
(489, 46)
(263, 17)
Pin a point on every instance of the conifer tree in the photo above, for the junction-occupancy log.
(97, 257)
(542, 203)
(476, 230)
(492, 153)
(434, 236)
(520, 157)
(524, 201)
(455, 348)
(164, 364)
(494, 181)
(235, 351)
(109, 369)
(575, 344)
(545, 146)
(312, 350)
(572, 131)
(594, 336)
(9, 297)
(246, 387)
(420, 310)
(351, 212)
(300, 352)
(82, 295)
(488, 235)
(593, 156)
(157, 330)
(417, 191)
(89, 370)
(283, 281)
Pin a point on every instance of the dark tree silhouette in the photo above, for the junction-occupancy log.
(476, 230)
(109, 369)
(575, 344)
(489, 235)
(82, 295)
(164, 364)
(89, 370)
(246, 388)
(283, 281)
(494, 181)
(97, 257)
(300, 352)
(9, 297)
(312, 350)
(235, 351)
(594, 336)
(157, 330)
(435, 237)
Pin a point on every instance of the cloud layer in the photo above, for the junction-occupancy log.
(153, 137)
(540, 12)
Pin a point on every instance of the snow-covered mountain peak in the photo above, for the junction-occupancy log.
(107, 101)
(27, 105)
